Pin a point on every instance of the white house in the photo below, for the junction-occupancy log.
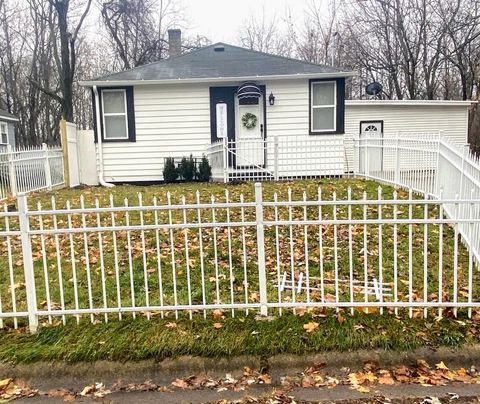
(251, 112)
(7, 128)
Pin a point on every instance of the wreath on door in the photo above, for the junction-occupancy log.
(249, 120)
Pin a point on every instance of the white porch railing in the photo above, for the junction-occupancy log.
(30, 169)
(277, 158)
(217, 157)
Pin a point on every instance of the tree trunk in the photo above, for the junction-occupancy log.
(67, 51)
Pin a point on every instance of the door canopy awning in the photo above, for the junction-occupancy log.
(248, 90)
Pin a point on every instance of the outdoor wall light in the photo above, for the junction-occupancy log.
(271, 99)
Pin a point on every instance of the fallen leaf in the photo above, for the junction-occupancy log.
(217, 326)
(180, 383)
(265, 378)
(217, 314)
(311, 326)
(4, 383)
(421, 363)
(441, 366)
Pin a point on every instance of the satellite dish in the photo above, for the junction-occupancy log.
(374, 88)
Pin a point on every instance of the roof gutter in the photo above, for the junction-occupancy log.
(406, 103)
(9, 119)
(112, 83)
(101, 180)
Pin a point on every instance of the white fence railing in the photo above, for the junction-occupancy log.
(217, 156)
(276, 158)
(30, 169)
(430, 165)
(383, 252)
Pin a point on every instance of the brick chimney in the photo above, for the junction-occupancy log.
(174, 42)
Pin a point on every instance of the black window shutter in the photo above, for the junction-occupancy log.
(129, 92)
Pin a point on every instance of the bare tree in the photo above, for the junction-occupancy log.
(314, 41)
(462, 47)
(66, 57)
(138, 28)
(264, 34)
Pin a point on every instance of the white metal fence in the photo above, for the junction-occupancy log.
(428, 164)
(385, 252)
(276, 158)
(30, 169)
(415, 251)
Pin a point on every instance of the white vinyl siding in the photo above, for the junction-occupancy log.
(451, 119)
(115, 118)
(170, 121)
(174, 121)
(323, 106)
(289, 117)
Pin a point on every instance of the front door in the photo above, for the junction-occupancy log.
(371, 150)
(249, 142)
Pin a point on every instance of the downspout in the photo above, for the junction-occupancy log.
(101, 180)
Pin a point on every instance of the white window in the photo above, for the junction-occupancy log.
(3, 133)
(323, 104)
(115, 120)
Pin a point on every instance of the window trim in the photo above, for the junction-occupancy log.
(104, 131)
(3, 124)
(334, 105)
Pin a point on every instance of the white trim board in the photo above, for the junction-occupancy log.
(113, 83)
(407, 103)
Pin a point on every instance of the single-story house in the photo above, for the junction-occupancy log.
(247, 110)
(7, 128)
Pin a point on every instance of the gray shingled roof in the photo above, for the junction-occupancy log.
(207, 62)
(7, 115)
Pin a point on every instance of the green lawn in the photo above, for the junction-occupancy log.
(141, 339)
(124, 268)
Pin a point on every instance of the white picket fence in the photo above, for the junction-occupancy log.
(24, 170)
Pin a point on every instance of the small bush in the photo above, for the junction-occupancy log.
(170, 172)
(187, 169)
(204, 170)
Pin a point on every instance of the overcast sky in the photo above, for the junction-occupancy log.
(220, 20)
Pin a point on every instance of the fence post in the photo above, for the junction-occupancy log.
(437, 173)
(64, 143)
(462, 174)
(397, 160)
(225, 160)
(365, 155)
(262, 276)
(46, 162)
(28, 263)
(275, 157)
(12, 178)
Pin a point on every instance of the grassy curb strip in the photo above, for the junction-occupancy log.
(158, 339)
